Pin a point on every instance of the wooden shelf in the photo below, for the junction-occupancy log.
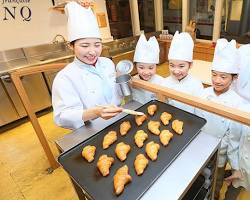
(59, 8)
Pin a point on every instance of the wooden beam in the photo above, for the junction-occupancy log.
(225, 111)
(16, 78)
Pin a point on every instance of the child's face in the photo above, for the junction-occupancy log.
(88, 49)
(221, 81)
(179, 69)
(145, 70)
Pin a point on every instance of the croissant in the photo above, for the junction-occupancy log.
(165, 117)
(152, 149)
(152, 109)
(165, 137)
(140, 164)
(121, 150)
(177, 126)
(140, 137)
(88, 153)
(104, 163)
(124, 127)
(139, 119)
(153, 126)
(109, 139)
(121, 178)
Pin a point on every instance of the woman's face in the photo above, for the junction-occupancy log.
(145, 70)
(179, 69)
(88, 50)
(221, 81)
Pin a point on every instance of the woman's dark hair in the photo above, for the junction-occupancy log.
(72, 43)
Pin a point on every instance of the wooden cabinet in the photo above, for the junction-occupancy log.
(203, 51)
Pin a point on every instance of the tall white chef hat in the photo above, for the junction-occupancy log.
(225, 57)
(244, 53)
(181, 47)
(147, 51)
(82, 22)
(244, 73)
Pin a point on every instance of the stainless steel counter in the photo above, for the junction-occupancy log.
(35, 85)
(7, 67)
(178, 177)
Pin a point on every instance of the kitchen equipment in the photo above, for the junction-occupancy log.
(8, 112)
(97, 187)
(124, 67)
(123, 82)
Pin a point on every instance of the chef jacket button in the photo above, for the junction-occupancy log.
(246, 157)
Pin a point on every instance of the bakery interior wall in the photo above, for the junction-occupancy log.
(42, 25)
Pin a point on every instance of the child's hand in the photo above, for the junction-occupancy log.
(235, 175)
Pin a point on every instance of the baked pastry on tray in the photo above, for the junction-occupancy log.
(154, 126)
(121, 178)
(139, 119)
(88, 153)
(104, 163)
(140, 137)
(109, 139)
(124, 127)
(141, 162)
(165, 137)
(121, 150)
(165, 118)
(152, 109)
(177, 126)
(152, 149)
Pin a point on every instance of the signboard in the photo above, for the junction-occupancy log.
(15, 10)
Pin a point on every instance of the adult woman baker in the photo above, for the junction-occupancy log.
(89, 81)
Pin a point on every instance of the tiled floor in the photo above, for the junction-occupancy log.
(23, 165)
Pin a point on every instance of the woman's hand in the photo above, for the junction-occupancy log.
(235, 175)
(103, 111)
(108, 111)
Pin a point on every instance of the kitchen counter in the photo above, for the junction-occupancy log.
(177, 178)
(49, 53)
(7, 67)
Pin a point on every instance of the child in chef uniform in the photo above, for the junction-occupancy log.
(180, 58)
(242, 85)
(146, 58)
(87, 82)
(241, 178)
(224, 73)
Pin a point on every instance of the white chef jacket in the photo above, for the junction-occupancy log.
(244, 155)
(189, 85)
(227, 130)
(81, 86)
(144, 96)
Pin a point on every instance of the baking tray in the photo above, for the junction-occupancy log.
(97, 187)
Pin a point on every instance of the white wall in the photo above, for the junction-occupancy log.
(43, 26)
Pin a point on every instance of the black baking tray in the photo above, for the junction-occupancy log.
(97, 187)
